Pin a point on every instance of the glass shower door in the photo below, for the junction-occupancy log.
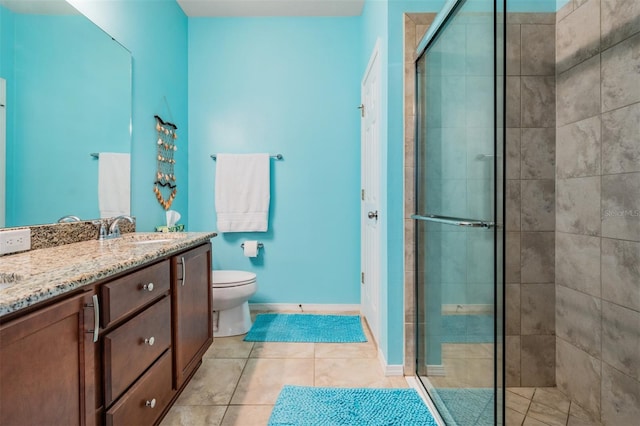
(458, 203)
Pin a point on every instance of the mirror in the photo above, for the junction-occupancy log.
(68, 95)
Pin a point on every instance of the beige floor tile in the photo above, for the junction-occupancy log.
(204, 415)
(247, 415)
(517, 402)
(345, 350)
(513, 418)
(282, 350)
(525, 392)
(262, 379)
(213, 383)
(471, 373)
(229, 347)
(530, 421)
(580, 413)
(576, 421)
(397, 382)
(446, 382)
(467, 350)
(350, 372)
(552, 397)
(547, 415)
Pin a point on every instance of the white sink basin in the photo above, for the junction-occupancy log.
(141, 242)
(145, 238)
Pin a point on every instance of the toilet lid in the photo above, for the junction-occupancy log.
(232, 278)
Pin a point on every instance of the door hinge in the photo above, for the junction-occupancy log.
(362, 194)
(362, 277)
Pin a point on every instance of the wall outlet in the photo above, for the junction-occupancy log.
(15, 240)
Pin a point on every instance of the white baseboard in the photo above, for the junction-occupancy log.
(306, 307)
(389, 370)
(436, 370)
(467, 309)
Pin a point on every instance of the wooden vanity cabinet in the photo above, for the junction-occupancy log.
(192, 310)
(47, 365)
(155, 324)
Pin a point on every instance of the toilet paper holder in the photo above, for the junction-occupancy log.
(260, 245)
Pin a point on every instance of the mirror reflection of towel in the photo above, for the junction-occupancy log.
(114, 184)
(242, 192)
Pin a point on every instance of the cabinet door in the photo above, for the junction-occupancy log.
(47, 366)
(192, 310)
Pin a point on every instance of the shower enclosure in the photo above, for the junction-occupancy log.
(459, 212)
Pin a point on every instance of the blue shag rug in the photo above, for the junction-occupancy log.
(464, 407)
(306, 328)
(309, 406)
(467, 329)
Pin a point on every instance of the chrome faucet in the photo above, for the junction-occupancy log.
(114, 229)
(70, 218)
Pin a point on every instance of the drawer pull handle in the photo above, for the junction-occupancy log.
(150, 341)
(96, 317)
(184, 270)
(148, 287)
(151, 403)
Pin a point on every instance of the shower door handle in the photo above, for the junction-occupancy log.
(455, 221)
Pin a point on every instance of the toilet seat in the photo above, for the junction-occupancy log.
(222, 279)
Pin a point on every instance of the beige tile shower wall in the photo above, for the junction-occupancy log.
(415, 26)
(530, 200)
(597, 250)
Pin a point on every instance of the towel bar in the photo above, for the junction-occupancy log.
(274, 156)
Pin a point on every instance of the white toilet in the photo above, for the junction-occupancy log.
(231, 293)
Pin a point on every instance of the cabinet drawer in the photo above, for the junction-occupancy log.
(126, 353)
(147, 399)
(124, 295)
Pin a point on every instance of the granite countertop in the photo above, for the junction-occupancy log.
(37, 275)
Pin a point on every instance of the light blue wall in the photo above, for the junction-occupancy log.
(48, 159)
(289, 86)
(7, 24)
(155, 32)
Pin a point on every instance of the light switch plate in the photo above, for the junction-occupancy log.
(15, 240)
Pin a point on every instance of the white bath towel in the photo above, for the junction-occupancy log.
(242, 192)
(114, 184)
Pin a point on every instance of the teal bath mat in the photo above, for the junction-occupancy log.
(309, 406)
(465, 407)
(467, 329)
(306, 328)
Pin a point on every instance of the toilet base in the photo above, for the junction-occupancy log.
(232, 322)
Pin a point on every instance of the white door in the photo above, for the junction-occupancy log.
(3, 136)
(370, 194)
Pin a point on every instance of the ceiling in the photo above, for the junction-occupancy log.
(40, 7)
(271, 7)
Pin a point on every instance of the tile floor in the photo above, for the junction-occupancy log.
(238, 382)
(543, 407)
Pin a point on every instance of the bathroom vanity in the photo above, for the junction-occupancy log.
(103, 332)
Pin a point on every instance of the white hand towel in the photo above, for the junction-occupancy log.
(242, 192)
(114, 184)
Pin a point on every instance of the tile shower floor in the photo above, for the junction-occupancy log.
(543, 407)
